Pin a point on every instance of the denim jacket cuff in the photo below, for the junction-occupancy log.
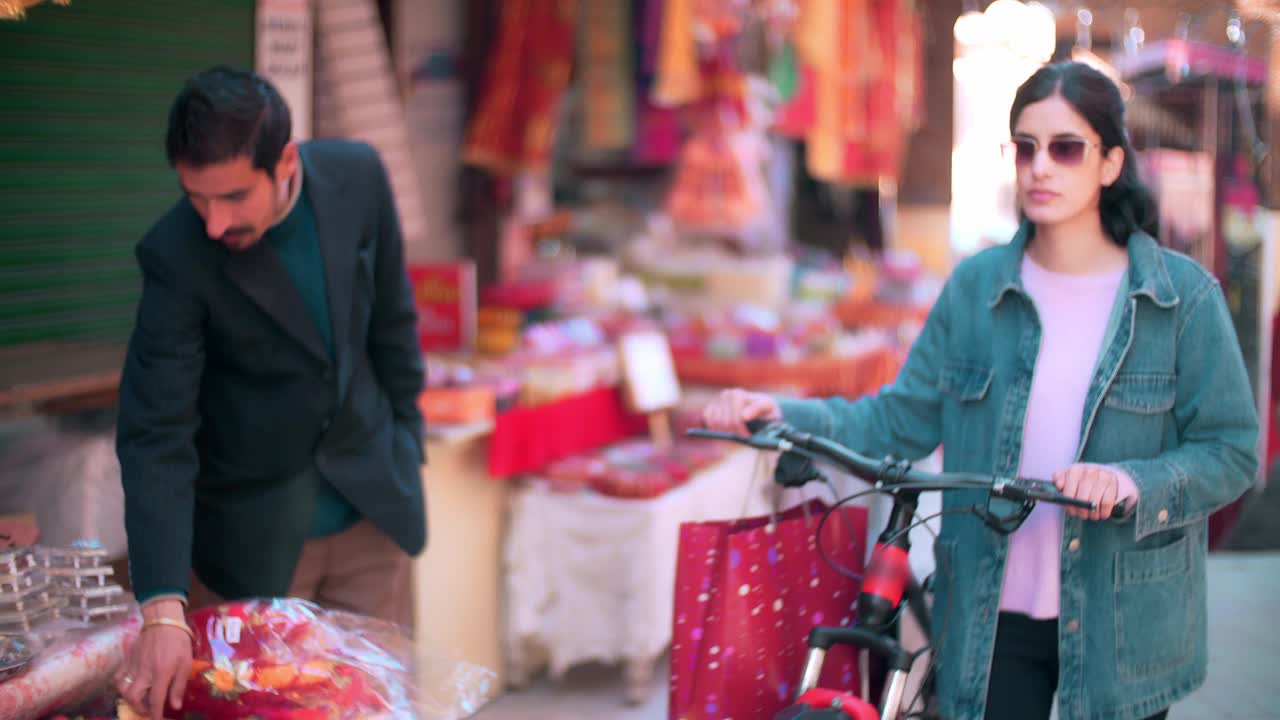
(1160, 486)
(811, 416)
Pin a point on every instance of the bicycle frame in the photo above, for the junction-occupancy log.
(879, 602)
(888, 578)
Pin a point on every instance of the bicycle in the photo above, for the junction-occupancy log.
(888, 578)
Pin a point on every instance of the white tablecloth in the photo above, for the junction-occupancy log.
(589, 577)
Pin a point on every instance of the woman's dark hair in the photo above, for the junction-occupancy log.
(224, 113)
(1126, 205)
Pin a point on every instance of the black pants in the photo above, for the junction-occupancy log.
(1024, 674)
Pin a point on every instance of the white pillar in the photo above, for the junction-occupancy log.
(283, 52)
(426, 44)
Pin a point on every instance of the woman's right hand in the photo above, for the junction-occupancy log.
(733, 409)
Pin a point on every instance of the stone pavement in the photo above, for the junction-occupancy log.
(1244, 658)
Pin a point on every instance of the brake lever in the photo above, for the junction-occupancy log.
(795, 470)
(1002, 525)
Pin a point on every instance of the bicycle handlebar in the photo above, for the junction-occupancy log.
(893, 475)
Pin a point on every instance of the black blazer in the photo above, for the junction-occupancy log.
(230, 404)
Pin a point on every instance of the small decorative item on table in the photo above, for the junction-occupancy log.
(80, 577)
(33, 595)
(81, 555)
(15, 655)
(14, 563)
(27, 598)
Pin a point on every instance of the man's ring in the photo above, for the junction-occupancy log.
(128, 680)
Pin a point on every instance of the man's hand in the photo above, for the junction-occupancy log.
(159, 664)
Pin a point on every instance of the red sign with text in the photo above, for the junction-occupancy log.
(445, 297)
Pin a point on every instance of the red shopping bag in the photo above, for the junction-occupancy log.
(747, 594)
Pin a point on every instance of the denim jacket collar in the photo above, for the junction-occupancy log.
(1147, 272)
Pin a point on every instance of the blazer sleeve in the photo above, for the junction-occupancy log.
(393, 333)
(155, 432)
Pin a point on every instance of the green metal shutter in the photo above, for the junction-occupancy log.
(84, 100)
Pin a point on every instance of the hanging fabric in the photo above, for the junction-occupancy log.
(515, 125)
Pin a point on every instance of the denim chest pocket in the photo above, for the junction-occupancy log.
(1142, 393)
(1154, 629)
(965, 382)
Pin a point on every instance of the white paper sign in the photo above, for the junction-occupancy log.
(649, 372)
(283, 50)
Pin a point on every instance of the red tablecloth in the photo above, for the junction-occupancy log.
(528, 439)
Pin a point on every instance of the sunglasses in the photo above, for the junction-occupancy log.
(1067, 152)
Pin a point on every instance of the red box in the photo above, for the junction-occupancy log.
(445, 297)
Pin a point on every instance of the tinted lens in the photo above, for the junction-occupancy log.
(1065, 152)
(1024, 152)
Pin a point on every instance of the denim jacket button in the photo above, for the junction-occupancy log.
(1162, 517)
(1073, 626)
(1074, 545)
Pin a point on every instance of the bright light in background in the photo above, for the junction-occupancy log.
(996, 51)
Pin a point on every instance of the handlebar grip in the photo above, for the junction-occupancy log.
(748, 440)
(711, 434)
(1048, 492)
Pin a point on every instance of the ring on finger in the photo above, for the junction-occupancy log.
(128, 679)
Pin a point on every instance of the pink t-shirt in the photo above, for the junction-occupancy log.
(1074, 312)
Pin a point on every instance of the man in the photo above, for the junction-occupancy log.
(269, 436)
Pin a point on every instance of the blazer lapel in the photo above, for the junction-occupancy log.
(259, 274)
(338, 229)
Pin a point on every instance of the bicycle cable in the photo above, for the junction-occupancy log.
(946, 618)
(822, 553)
(919, 520)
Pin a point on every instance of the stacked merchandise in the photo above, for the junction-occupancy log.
(27, 596)
(41, 584)
(80, 577)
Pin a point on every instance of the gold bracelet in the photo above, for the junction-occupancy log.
(170, 622)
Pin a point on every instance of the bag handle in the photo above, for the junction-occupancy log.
(761, 468)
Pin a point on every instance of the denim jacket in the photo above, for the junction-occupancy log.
(1169, 402)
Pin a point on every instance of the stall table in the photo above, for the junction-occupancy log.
(457, 580)
(590, 577)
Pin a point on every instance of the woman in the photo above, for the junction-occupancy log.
(1082, 352)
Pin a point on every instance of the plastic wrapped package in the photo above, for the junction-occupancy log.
(68, 669)
(288, 659)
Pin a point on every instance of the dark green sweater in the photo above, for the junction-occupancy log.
(296, 244)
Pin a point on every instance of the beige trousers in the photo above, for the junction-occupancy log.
(359, 570)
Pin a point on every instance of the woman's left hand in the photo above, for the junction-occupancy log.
(1098, 484)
